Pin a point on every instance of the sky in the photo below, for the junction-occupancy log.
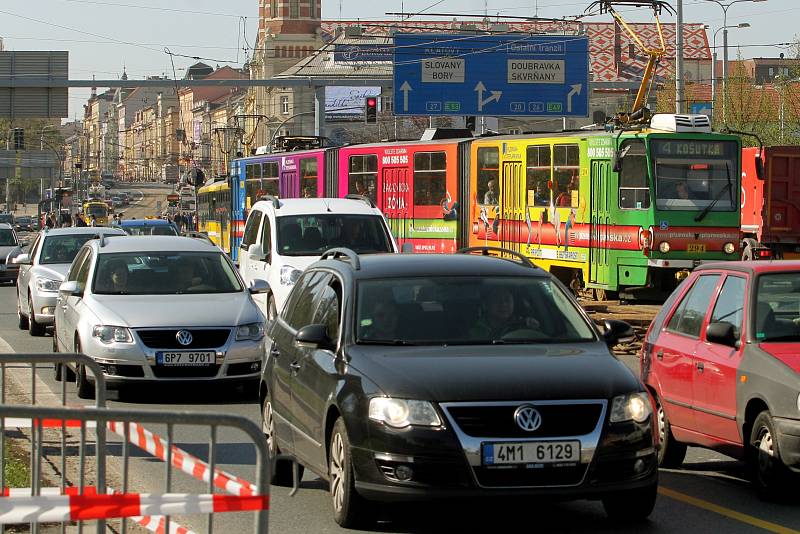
(102, 36)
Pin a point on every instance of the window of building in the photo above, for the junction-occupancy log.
(488, 176)
(387, 103)
(273, 9)
(294, 9)
(771, 71)
(312, 9)
(285, 105)
(566, 174)
(308, 178)
(430, 178)
(634, 188)
(538, 175)
(362, 176)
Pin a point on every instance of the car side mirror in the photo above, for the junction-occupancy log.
(759, 166)
(256, 252)
(407, 248)
(71, 289)
(617, 332)
(722, 333)
(313, 336)
(258, 287)
(23, 259)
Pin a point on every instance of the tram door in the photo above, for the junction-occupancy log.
(600, 221)
(289, 185)
(396, 203)
(512, 205)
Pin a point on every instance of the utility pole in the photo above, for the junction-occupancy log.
(680, 101)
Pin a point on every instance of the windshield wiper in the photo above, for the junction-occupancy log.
(708, 208)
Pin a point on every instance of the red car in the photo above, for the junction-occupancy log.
(722, 360)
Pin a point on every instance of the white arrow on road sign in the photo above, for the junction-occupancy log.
(480, 88)
(405, 88)
(576, 90)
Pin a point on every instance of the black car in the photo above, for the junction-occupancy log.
(422, 376)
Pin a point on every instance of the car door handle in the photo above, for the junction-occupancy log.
(660, 355)
(274, 353)
(295, 367)
(700, 367)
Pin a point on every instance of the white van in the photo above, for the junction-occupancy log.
(283, 237)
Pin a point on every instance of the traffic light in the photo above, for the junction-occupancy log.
(19, 139)
(471, 122)
(371, 110)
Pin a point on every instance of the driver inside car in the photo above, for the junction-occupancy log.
(498, 316)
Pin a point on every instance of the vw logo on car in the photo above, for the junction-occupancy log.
(528, 418)
(184, 337)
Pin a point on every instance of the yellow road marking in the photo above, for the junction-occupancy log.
(727, 512)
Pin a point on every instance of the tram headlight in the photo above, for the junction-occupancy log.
(663, 247)
(729, 248)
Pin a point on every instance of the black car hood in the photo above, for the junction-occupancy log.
(461, 373)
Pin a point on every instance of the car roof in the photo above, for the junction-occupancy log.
(753, 267)
(154, 243)
(423, 265)
(143, 222)
(309, 206)
(73, 230)
(6, 226)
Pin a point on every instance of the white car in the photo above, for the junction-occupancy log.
(158, 308)
(283, 237)
(42, 270)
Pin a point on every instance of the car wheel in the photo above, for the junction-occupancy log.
(281, 470)
(670, 452)
(770, 475)
(631, 505)
(35, 329)
(350, 509)
(85, 389)
(23, 320)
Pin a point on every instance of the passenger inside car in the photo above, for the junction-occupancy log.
(113, 278)
(499, 316)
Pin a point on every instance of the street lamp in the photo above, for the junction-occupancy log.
(725, 6)
(714, 68)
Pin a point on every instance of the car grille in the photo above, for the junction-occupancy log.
(201, 338)
(494, 477)
(558, 420)
(208, 371)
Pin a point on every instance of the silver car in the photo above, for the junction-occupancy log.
(42, 270)
(159, 308)
(10, 249)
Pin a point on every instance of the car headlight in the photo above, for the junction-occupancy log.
(400, 413)
(635, 406)
(112, 334)
(289, 275)
(663, 247)
(798, 403)
(47, 284)
(254, 331)
(729, 248)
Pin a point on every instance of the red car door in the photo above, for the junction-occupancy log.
(716, 365)
(674, 349)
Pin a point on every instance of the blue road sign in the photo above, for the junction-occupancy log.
(498, 75)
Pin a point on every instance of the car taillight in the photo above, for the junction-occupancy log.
(765, 253)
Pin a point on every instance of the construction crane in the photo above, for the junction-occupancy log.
(639, 113)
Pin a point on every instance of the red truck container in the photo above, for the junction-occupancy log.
(771, 207)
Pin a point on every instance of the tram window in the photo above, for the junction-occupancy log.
(269, 170)
(488, 172)
(252, 171)
(538, 175)
(362, 176)
(308, 177)
(567, 169)
(430, 173)
(634, 189)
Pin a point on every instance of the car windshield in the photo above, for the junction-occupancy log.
(161, 229)
(164, 273)
(24, 220)
(310, 235)
(97, 210)
(7, 238)
(777, 306)
(694, 174)
(467, 311)
(62, 248)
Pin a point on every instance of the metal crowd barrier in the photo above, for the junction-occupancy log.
(84, 502)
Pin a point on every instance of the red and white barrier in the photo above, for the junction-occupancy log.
(87, 507)
(21, 422)
(191, 465)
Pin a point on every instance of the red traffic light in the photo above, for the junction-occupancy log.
(372, 101)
